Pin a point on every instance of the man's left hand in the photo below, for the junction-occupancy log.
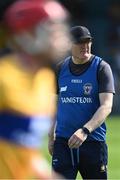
(77, 139)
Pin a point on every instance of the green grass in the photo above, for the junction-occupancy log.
(113, 141)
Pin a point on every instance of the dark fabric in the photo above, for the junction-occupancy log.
(80, 34)
(90, 159)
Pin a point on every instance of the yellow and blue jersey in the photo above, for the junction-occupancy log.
(24, 95)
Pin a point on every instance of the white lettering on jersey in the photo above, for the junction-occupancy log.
(81, 100)
(76, 80)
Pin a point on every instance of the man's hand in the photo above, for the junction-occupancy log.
(77, 139)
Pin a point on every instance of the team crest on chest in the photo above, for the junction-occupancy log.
(87, 88)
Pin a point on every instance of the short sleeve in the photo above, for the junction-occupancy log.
(105, 78)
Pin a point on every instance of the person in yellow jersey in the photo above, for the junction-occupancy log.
(38, 34)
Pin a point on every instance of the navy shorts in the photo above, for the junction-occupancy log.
(90, 159)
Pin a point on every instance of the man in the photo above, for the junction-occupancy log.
(27, 83)
(85, 97)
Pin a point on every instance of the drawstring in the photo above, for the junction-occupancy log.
(72, 157)
(78, 155)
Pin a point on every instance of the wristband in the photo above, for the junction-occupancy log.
(86, 131)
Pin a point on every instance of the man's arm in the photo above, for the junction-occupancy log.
(106, 101)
